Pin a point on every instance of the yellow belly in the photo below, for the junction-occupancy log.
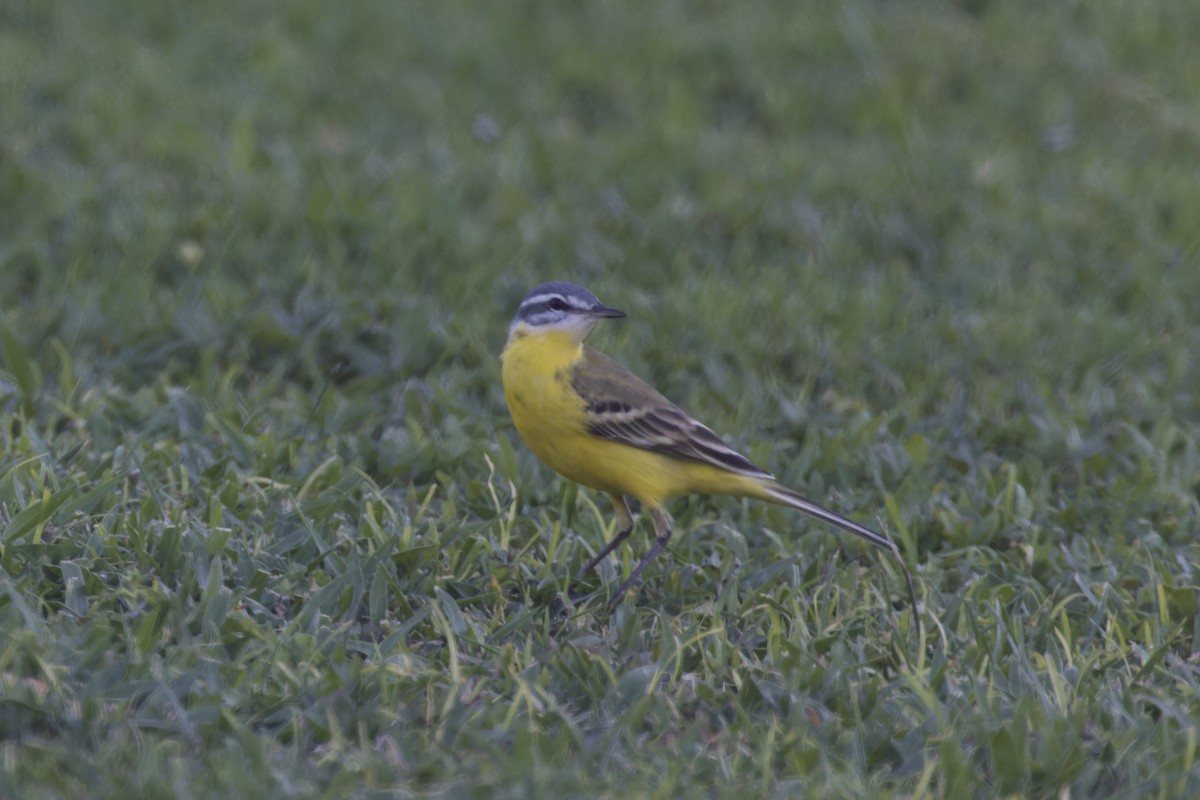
(551, 419)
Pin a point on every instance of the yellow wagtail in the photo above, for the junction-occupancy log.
(595, 422)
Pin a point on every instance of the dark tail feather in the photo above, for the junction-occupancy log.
(777, 493)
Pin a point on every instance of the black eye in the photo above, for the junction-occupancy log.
(557, 304)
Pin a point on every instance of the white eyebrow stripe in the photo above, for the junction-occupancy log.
(541, 298)
(576, 302)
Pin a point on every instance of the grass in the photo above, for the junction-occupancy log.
(266, 530)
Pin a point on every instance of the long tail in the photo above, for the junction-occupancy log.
(777, 493)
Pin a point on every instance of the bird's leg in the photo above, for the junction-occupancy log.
(662, 527)
(625, 523)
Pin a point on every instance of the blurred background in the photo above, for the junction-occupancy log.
(949, 193)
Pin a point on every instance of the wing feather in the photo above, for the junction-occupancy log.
(624, 408)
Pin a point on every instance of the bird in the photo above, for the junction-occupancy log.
(598, 424)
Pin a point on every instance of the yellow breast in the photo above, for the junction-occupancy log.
(548, 414)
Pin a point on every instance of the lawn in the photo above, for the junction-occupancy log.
(266, 529)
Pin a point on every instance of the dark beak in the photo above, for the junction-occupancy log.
(604, 312)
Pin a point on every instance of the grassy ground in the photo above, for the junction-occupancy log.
(265, 528)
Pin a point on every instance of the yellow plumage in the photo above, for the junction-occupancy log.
(593, 421)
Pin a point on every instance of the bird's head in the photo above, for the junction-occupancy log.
(559, 307)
